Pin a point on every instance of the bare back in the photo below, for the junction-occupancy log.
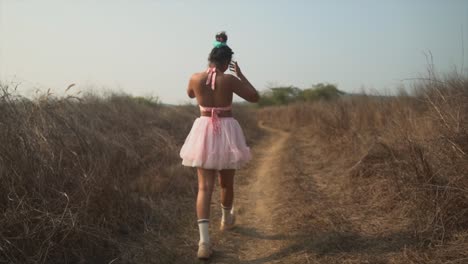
(225, 86)
(219, 97)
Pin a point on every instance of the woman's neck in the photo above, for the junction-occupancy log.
(220, 69)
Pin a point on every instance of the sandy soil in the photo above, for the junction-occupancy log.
(292, 208)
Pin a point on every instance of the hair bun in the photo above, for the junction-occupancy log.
(222, 37)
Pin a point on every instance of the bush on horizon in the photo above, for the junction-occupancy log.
(285, 95)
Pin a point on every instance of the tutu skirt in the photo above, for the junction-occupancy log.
(207, 148)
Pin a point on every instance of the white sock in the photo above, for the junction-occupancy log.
(204, 232)
(227, 213)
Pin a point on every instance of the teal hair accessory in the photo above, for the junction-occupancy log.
(219, 44)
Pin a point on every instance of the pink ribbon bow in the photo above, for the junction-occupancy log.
(215, 120)
(211, 77)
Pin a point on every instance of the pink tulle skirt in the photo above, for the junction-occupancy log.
(209, 149)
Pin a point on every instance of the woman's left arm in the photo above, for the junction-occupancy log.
(190, 91)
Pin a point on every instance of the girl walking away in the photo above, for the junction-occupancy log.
(216, 144)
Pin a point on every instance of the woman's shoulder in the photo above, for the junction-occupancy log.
(231, 80)
(198, 76)
(228, 77)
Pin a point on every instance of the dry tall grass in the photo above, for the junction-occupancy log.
(84, 180)
(407, 154)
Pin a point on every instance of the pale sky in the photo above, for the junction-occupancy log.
(152, 47)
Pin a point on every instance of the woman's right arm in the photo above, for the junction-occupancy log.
(243, 88)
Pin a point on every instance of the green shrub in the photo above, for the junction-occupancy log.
(289, 94)
(321, 91)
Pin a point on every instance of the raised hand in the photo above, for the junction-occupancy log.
(234, 67)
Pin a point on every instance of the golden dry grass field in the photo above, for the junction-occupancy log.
(356, 179)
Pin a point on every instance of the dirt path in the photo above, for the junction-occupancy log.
(257, 235)
(257, 204)
(292, 208)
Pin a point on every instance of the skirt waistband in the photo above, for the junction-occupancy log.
(219, 114)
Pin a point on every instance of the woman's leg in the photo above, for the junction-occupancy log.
(206, 180)
(226, 181)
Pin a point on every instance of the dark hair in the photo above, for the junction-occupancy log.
(221, 55)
